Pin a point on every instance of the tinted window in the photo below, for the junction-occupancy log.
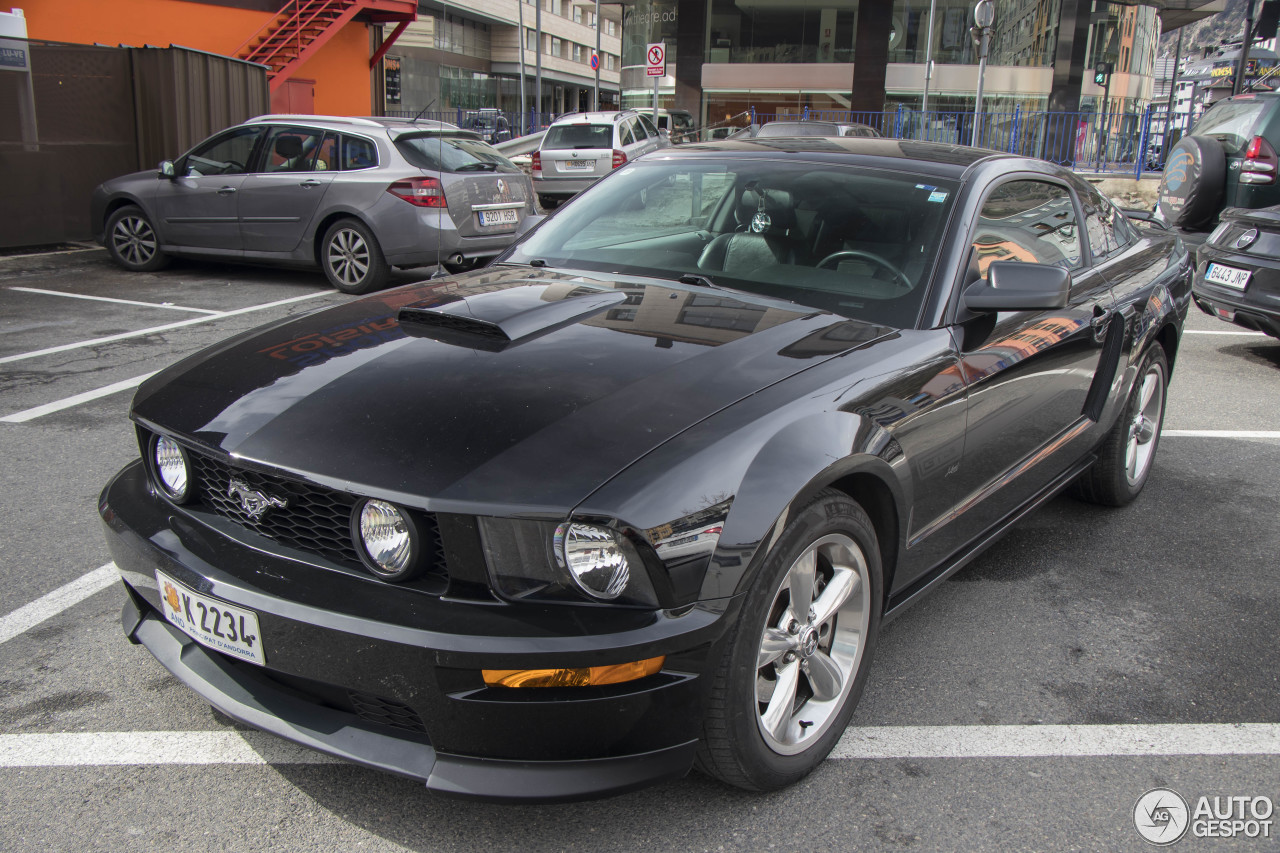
(1106, 226)
(446, 152)
(358, 153)
(292, 149)
(1029, 221)
(626, 136)
(579, 136)
(647, 124)
(228, 154)
(1231, 123)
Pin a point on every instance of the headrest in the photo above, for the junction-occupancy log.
(289, 147)
(774, 216)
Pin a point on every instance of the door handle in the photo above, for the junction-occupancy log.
(1101, 319)
(309, 183)
(226, 190)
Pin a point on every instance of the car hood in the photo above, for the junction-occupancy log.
(502, 390)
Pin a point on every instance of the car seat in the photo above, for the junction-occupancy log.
(769, 217)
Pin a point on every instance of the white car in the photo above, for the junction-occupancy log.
(579, 149)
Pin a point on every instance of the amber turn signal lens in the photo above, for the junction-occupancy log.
(586, 677)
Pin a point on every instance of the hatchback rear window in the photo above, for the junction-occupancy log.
(579, 136)
(1231, 123)
(452, 152)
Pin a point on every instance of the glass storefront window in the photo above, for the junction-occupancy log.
(777, 31)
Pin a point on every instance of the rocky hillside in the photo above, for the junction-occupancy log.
(1227, 25)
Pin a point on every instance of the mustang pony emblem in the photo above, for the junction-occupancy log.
(254, 503)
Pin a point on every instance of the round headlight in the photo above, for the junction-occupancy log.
(594, 559)
(388, 538)
(171, 467)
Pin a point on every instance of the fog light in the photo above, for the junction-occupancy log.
(171, 467)
(594, 559)
(388, 539)
(584, 677)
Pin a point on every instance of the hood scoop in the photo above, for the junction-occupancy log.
(499, 319)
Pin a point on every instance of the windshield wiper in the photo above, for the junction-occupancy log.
(694, 278)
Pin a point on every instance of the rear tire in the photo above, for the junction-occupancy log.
(548, 203)
(807, 628)
(132, 241)
(352, 259)
(1129, 450)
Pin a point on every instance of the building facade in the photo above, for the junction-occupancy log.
(786, 57)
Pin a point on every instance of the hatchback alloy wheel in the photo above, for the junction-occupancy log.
(349, 257)
(134, 240)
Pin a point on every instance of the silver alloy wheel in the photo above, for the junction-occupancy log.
(134, 240)
(1145, 425)
(812, 643)
(348, 256)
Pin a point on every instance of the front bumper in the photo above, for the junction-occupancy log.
(329, 661)
(1257, 307)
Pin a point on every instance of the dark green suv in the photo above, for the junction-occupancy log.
(1228, 160)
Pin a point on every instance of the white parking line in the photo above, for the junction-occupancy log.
(1058, 741)
(1215, 332)
(96, 749)
(113, 299)
(1219, 433)
(155, 329)
(59, 405)
(29, 615)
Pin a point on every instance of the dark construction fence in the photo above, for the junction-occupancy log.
(102, 112)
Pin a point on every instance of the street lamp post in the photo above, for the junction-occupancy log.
(595, 99)
(928, 61)
(984, 15)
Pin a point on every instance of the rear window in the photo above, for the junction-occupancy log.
(1231, 123)
(796, 128)
(579, 136)
(445, 152)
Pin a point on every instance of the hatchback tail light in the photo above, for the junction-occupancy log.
(420, 192)
(536, 163)
(619, 157)
(1260, 162)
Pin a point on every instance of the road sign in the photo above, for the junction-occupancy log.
(656, 54)
(595, 61)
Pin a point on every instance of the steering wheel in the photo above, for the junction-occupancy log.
(899, 276)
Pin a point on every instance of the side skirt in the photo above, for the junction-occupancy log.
(904, 599)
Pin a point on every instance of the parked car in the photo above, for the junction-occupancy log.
(1238, 270)
(580, 148)
(353, 196)
(1228, 160)
(641, 493)
(808, 127)
(492, 126)
(678, 124)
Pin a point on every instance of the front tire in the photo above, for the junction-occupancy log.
(132, 241)
(1129, 450)
(352, 259)
(797, 661)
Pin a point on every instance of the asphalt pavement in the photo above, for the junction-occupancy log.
(1082, 629)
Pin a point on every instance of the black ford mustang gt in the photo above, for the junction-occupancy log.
(640, 495)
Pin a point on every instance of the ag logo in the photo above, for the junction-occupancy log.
(1161, 816)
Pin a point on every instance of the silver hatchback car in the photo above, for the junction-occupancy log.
(581, 148)
(353, 196)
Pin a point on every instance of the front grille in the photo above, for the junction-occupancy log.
(375, 709)
(315, 520)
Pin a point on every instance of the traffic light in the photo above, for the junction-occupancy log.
(1101, 73)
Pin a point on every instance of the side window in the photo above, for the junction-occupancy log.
(292, 149)
(327, 158)
(228, 154)
(358, 153)
(625, 136)
(1029, 221)
(647, 124)
(1108, 231)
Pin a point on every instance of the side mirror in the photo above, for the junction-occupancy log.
(167, 169)
(1015, 286)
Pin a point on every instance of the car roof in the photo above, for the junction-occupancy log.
(351, 122)
(600, 116)
(935, 158)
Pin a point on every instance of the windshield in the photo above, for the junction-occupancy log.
(857, 242)
(445, 152)
(1231, 123)
(578, 136)
(797, 128)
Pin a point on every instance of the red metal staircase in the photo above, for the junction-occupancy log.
(302, 27)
